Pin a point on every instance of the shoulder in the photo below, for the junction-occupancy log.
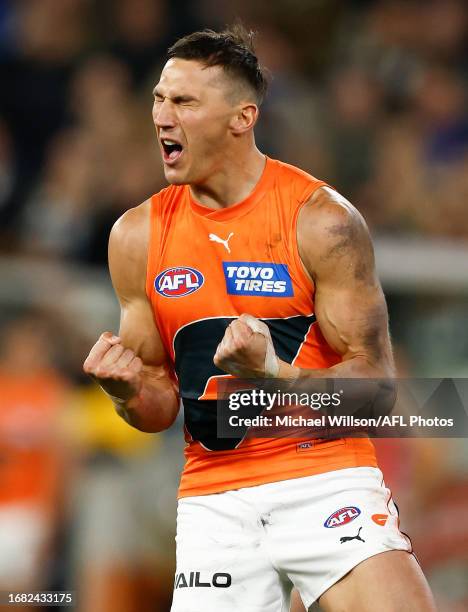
(128, 248)
(327, 209)
(331, 231)
(131, 230)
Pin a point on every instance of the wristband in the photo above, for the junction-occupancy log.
(272, 365)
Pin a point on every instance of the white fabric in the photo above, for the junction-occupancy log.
(271, 360)
(272, 536)
(23, 533)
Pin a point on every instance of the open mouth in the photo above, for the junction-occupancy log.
(172, 150)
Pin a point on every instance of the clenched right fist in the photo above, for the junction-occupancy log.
(116, 368)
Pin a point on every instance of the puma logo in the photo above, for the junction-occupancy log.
(348, 539)
(215, 238)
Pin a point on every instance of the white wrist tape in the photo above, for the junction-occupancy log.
(271, 360)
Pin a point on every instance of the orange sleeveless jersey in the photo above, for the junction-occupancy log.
(205, 268)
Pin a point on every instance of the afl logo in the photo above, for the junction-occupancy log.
(343, 516)
(177, 282)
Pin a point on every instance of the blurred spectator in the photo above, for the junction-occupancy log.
(441, 104)
(56, 219)
(32, 456)
(53, 32)
(123, 509)
(49, 38)
(126, 167)
(141, 35)
(421, 162)
(390, 131)
(353, 120)
(440, 500)
(101, 100)
(443, 30)
(94, 171)
(292, 106)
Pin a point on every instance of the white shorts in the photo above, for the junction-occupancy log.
(24, 531)
(245, 549)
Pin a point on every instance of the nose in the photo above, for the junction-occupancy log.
(163, 114)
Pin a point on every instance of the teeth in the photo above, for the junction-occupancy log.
(169, 142)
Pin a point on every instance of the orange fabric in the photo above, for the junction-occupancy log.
(194, 297)
(29, 461)
(268, 460)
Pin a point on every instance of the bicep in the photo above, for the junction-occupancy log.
(353, 320)
(139, 332)
(350, 306)
(128, 246)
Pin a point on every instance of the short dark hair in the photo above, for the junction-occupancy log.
(232, 49)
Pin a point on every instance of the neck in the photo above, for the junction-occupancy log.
(233, 182)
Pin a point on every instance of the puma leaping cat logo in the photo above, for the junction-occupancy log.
(348, 538)
(215, 238)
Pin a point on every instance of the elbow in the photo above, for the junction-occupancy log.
(155, 427)
(365, 366)
(380, 391)
(381, 369)
(148, 423)
(376, 363)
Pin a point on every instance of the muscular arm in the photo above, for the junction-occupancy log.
(134, 370)
(336, 250)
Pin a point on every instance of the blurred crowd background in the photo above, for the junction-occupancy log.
(368, 95)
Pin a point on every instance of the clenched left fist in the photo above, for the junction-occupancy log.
(247, 350)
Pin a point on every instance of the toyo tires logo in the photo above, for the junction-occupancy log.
(257, 279)
(178, 282)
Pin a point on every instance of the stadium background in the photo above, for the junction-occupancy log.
(370, 96)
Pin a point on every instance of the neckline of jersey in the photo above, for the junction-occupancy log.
(240, 208)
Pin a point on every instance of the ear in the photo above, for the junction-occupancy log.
(244, 119)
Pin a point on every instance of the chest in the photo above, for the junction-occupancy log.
(207, 269)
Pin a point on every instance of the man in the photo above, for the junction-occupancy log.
(32, 454)
(236, 238)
